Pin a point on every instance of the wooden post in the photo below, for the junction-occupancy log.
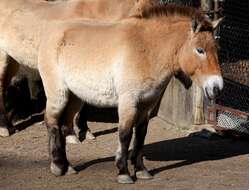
(198, 106)
(216, 8)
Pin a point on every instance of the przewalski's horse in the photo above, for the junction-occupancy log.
(94, 9)
(21, 22)
(126, 64)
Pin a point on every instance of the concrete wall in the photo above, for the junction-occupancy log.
(182, 107)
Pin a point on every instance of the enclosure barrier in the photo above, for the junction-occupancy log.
(232, 109)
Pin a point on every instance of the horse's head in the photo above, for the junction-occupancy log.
(199, 60)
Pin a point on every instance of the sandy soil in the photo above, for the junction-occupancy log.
(177, 161)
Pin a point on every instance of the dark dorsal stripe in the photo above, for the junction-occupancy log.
(169, 10)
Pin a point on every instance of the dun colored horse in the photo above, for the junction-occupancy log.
(94, 9)
(126, 64)
(22, 21)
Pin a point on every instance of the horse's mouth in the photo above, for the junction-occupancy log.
(212, 86)
(212, 94)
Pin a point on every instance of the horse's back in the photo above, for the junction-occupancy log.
(22, 22)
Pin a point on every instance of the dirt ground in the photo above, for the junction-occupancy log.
(177, 161)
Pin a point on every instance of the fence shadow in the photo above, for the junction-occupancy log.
(190, 150)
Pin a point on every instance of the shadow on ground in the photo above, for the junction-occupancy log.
(191, 150)
(188, 150)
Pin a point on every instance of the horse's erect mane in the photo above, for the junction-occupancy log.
(171, 10)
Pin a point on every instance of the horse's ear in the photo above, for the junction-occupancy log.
(216, 23)
(196, 25)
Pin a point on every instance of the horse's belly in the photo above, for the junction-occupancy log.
(97, 92)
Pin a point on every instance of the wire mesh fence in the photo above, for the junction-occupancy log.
(232, 122)
(233, 36)
(234, 54)
(234, 32)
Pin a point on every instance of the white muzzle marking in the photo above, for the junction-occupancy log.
(212, 84)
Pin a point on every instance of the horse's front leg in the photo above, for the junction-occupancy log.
(127, 117)
(137, 153)
(8, 68)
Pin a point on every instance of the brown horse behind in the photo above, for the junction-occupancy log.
(126, 64)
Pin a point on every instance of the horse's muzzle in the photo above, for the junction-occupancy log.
(211, 94)
(213, 86)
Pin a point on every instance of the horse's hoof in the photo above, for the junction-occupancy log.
(143, 174)
(4, 132)
(90, 136)
(125, 179)
(55, 169)
(72, 139)
(71, 171)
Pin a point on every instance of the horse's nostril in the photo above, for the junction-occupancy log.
(216, 91)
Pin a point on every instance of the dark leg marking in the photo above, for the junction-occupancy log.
(57, 152)
(125, 136)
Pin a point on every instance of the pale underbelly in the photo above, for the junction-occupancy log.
(100, 93)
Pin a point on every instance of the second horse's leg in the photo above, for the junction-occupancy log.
(8, 68)
(71, 110)
(81, 124)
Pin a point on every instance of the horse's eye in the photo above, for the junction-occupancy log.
(200, 50)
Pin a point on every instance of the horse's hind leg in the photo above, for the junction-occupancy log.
(57, 143)
(57, 99)
(8, 68)
(127, 116)
(137, 152)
